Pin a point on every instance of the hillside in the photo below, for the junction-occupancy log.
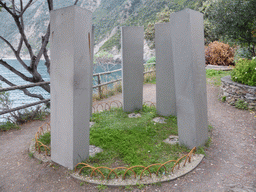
(108, 16)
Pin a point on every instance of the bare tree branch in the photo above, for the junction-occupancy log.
(30, 79)
(47, 59)
(8, 43)
(23, 10)
(75, 2)
(50, 4)
(21, 30)
(6, 8)
(44, 44)
(13, 7)
(26, 92)
(16, 52)
(17, 14)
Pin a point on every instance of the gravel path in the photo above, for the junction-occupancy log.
(230, 164)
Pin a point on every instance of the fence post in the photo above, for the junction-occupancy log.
(99, 82)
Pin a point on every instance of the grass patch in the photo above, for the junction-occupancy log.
(132, 141)
(45, 139)
(214, 76)
(8, 126)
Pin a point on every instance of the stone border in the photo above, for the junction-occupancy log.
(183, 170)
(234, 91)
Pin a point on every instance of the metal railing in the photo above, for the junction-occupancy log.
(99, 85)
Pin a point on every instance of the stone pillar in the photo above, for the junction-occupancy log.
(187, 39)
(165, 86)
(71, 77)
(132, 63)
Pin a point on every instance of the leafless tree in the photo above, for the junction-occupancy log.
(17, 10)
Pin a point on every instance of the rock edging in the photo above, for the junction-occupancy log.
(233, 91)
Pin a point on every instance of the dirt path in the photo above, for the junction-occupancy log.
(230, 164)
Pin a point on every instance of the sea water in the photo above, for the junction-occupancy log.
(18, 98)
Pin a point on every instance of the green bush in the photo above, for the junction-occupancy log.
(242, 52)
(245, 72)
(152, 60)
(241, 104)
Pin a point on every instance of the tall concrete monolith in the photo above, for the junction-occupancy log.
(187, 41)
(71, 81)
(165, 85)
(132, 64)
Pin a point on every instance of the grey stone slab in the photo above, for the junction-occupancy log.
(187, 39)
(165, 85)
(71, 77)
(132, 64)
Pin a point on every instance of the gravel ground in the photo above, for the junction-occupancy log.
(230, 163)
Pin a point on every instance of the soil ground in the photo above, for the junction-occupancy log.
(230, 163)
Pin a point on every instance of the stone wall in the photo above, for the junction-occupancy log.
(234, 91)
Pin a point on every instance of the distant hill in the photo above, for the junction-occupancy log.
(108, 16)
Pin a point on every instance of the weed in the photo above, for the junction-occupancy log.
(102, 187)
(241, 104)
(210, 128)
(128, 187)
(30, 154)
(159, 184)
(82, 183)
(107, 92)
(45, 139)
(223, 99)
(26, 115)
(8, 126)
(208, 143)
(150, 78)
(141, 186)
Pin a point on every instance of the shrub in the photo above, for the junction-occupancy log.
(245, 72)
(242, 52)
(26, 115)
(152, 60)
(218, 53)
(240, 104)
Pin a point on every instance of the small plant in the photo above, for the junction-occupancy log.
(102, 187)
(8, 126)
(128, 187)
(241, 104)
(150, 78)
(152, 60)
(159, 184)
(46, 140)
(82, 183)
(210, 128)
(26, 115)
(218, 53)
(245, 72)
(30, 154)
(141, 186)
(223, 99)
